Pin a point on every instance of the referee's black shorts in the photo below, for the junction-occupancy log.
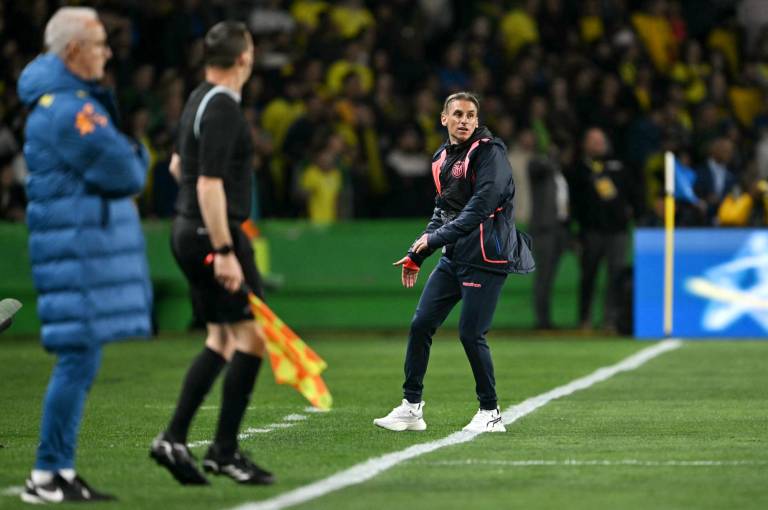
(210, 301)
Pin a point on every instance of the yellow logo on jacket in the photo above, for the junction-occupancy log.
(87, 119)
(46, 100)
(606, 190)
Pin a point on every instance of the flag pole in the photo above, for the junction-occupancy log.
(669, 239)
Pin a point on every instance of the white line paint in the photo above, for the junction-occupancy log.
(368, 469)
(251, 430)
(13, 491)
(198, 444)
(245, 434)
(574, 462)
(201, 408)
(288, 422)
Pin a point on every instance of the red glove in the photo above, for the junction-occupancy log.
(410, 271)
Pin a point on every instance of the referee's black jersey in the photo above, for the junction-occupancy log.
(215, 141)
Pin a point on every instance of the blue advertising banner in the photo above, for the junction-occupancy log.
(720, 283)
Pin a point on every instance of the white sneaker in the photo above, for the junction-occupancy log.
(406, 416)
(486, 421)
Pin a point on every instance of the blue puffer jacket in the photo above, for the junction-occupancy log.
(85, 240)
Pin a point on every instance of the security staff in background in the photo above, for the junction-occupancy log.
(85, 240)
(215, 150)
(603, 199)
(550, 217)
(473, 223)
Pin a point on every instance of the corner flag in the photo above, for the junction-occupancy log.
(671, 176)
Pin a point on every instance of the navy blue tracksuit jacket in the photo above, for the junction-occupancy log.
(473, 223)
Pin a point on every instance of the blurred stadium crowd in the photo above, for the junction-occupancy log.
(345, 97)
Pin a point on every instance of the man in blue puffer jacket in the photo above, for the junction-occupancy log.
(85, 239)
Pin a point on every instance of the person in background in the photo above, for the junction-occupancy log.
(602, 198)
(13, 201)
(86, 245)
(321, 181)
(715, 180)
(746, 204)
(550, 217)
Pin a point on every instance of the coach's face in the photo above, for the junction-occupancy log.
(460, 119)
(87, 55)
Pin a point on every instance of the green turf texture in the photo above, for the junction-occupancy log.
(705, 401)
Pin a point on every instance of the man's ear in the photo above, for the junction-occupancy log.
(443, 119)
(70, 50)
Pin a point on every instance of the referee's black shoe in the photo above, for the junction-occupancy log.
(236, 466)
(177, 459)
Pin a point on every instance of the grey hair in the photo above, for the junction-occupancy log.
(66, 25)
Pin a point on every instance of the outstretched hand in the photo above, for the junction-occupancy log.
(408, 276)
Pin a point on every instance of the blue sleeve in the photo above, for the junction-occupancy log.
(492, 172)
(89, 143)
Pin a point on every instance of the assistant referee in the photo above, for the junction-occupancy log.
(216, 150)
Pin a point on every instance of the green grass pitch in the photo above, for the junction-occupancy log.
(687, 430)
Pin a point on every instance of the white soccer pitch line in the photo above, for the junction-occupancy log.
(609, 463)
(16, 490)
(368, 469)
(288, 422)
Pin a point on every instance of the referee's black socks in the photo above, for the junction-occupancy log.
(238, 385)
(200, 377)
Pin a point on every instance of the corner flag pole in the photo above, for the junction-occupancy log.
(669, 239)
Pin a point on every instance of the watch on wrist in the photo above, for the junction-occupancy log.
(223, 250)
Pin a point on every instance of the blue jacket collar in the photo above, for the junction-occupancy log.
(47, 74)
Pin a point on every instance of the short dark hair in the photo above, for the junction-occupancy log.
(465, 96)
(224, 42)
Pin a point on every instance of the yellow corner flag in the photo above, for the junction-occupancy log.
(293, 362)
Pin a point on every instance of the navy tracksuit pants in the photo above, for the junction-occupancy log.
(479, 292)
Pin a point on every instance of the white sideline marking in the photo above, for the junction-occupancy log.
(368, 469)
(288, 422)
(252, 430)
(246, 434)
(202, 442)
(13, 491)
(201, 408)
(574, 462)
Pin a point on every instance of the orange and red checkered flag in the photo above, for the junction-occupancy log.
(293, 362)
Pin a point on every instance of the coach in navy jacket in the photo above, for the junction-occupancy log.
(473, 223)
(473, 216)
(85, 239)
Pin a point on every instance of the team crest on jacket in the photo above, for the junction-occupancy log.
(458, 171)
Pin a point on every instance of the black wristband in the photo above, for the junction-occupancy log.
(223, 250)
